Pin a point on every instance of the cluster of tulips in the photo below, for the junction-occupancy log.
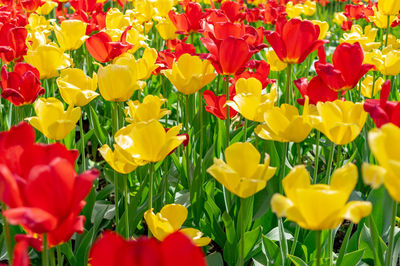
(258, 132)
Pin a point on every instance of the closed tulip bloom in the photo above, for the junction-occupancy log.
(48, 59)
(320, 206)
(242, 174)
(389, 7)
(46, 8)
(284, 124)
(249, 101)
(294, 40)
(149, 109)
(117, 82)
(148, 142)
(76, 88)
(22, 86)
(387, 62)
(340, 121)
(383, 143)
(169, 220)
(189, 74)
(52, 120)
(368, 86)
(70, 34)
(12, 42)
(166, 29)
(117, 160)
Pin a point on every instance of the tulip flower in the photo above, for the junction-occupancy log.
(48, 59)
(46, 8)
(52, 195)
(189, 74)
(143, 67)
(380, 19)
(117, 82)
(216, 105)
(249, 101)
(189, 21)
(294, 40)
(116, 159)
(315, 89)
(149, 109)
(387, 62)
(389, 7)
(340, 121)
(242, 174)
(22, 86)
(103, 49)
(368, 88)
(274, 61)
(383, 142)
(166, 29)
(30, 5)
(76, 88)
(365, 37)
(293, 10)
(148, 142)
(169, 220)
(284, 124)
(323, 28)
(12, 42)
(70, 34)
(383, 111)
(320, 206)
(52, 120)
(347, 68)
(176, 249)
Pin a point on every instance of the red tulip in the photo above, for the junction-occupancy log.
(167, 57)
(383, 111)
(22, 86)
(189, 21)
(355, 12)
(84, 5)
(216, 105)
(12, 42)
(233, 11)
(40, 186)
(347, 68)
(175, 250)
(103, 49)
(346, 25)
(294, 40)
(316, 90)
(271, 11)
(31, 5)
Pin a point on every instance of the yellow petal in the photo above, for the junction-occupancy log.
(356, 210)
(176, 214)
(373, 175)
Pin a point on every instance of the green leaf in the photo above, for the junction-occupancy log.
(272, 251)
(297, 261)
(353, 258)
(250, 240)
(101, 134)
(215, 259)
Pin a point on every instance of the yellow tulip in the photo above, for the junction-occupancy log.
(189, 73)
(384, 144)
(166, 29)
(387, 62)
(373, 175)
(149, 110)
(366, 40)
(38, 23)
(339, 18)
(46, 8)
(320, 207)
(389, 7)
(70, 34)
(117, 82)
(117, 160)
(145, 9)
(309, 8)
(136, 38)
(380, 19)
(148, 142)
(48, 59)
(242, 174)
(169, 220)
(340, 121)
(284, 124)
(366, 86)
(76, 88)
(294, 10)
(52, 120)
(249, 101)
(392, 41)
(274, 61)
(162, 7)
(143, 67)
(115, 19)
(323, 28)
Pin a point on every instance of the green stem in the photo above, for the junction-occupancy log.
(227, 120)
(242, 206)
(377, 258)
(60, 258)
(126, 197)
(316, 157)
(82, 133)
(282, 241)
(389, 253)
(45, 251)
(51, 257)
(187, 131)
(288, 81)
(283, 163)
(329, 166)
(245, 130)
(151, 170)
(373, 85)
(387, 30)
(318, 248)
(296, 237)
(345, 243)
(115, 122)
(330, 246)
(7, 235)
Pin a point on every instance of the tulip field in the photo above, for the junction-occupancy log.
(207, 132)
